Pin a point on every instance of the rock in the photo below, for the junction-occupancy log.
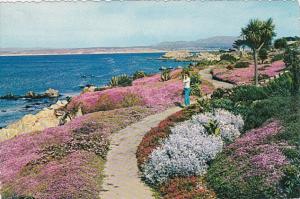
(30, 94)
(51, 93)
(206, 56)
(89, 89)
(46, 118)
(178, 55)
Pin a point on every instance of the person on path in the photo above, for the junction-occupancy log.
(187, 89)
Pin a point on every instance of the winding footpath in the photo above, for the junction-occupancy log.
(122, 177)
(205, 74)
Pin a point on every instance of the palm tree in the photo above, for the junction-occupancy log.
(258, 34)
(239, 45)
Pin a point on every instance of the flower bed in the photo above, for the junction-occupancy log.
(147, 91)
(64, 161)
(172, 155)
(252, 167)
(246, 75)
(189, 147)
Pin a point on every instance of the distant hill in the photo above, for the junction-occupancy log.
(222, 42)
(219, 42)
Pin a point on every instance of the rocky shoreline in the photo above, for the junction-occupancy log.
(51, 116)
(50, 93)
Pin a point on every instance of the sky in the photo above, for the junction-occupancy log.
(131, 23)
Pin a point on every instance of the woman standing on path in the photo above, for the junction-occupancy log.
(187, 89)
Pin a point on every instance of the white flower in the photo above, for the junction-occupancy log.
(189, 148)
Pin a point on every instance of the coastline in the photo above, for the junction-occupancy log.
(83, 53)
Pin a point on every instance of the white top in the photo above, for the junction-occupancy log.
(186, 82)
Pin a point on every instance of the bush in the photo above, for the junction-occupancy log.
(243, 64)
(262, 110)
(121, 80)
(138, 74)
(280, 43)
(277, 57)
(195, 82)
(263, 55)
(228, 57)
(247, 93)
(205, 62)
(189, 148)
(165, 75)
(195, 90)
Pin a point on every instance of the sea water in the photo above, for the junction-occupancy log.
(66, 73)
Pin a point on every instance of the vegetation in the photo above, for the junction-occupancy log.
(240, 46)
(242, 64)
(277, 57)
(228, 57)
(138, 74)
(263, 55)
(121, 80)
(195, 84)
(292, 61)
(280, 43)
(258, 34)
(165, 75)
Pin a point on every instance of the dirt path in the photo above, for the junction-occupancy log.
(122, 179)
(205, 74)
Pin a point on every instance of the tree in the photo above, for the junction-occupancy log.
(280, 43)
(292, 61)
(263, 55)
(239, 45)
(258, 34)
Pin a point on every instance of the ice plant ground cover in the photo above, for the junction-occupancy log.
(264, 163)
(245, 75)
(64, 161)
(252, 159)
(147, 91)
(189, 147)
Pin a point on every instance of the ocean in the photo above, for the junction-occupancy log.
(66, 73)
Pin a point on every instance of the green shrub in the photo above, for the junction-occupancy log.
(165, 75)
(205, 62)
(291, 180)
(263, 55)
(195, 90)
(280, 43)
(277, 57)
(121, 80)
(223, 103)
(280, 86)
(212, 128)
(262, 110)
(138, 74)
(242, 64)
(228, 57)
(247, 93)
(221, 93)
